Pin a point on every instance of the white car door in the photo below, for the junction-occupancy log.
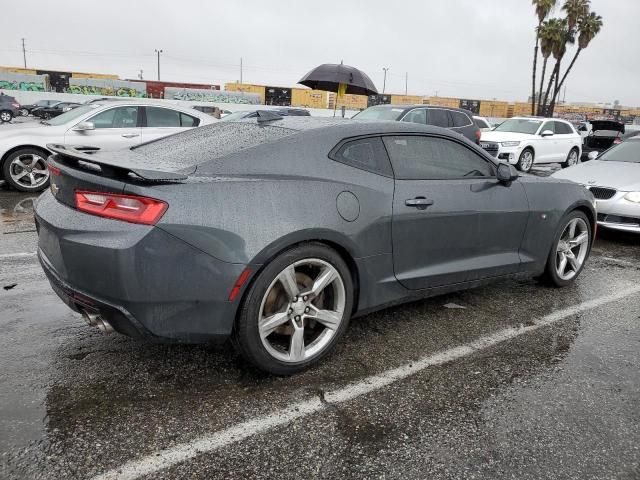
(567, 139)
(112, 129)
(546, 146)
(163, 121)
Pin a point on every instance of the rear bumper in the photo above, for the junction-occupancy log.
(144, 281)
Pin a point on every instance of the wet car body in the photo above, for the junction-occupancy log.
(233, 211)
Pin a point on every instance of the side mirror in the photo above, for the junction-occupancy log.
(547, 133)
(84, 126)
(593, 155)
(507, 173)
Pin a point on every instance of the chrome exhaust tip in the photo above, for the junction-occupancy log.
(95, 320)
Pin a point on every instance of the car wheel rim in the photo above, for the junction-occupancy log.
(573, 158)
(302, 310)
(29, 170)
(527, 160)
(572, 248)
(5, 117)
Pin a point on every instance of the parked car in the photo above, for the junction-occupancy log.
(456, 119)
(296, 112)
(482, 123)
(292, 226)
(97, 126)
(26, 109)
(614, 179)
(9, 108)
(525, 141)
(601, 135)
(54, 110)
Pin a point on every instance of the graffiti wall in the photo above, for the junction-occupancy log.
(23, 82)
(217, 96)
(107, 87)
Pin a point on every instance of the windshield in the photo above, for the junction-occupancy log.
(628, 152)
(71, 114)
(519, 125)
(379, 113)
(234, 116)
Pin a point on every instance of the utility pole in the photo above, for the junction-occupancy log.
(240, 70)
(564, 97)
(24, 54)
(158, 52)
(384, 82)
(406, 82)
(140, 74)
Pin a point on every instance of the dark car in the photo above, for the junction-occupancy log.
(456, 119)
(278, 232)
(602, 136)
(27, 109)
(283, 112)
(9, 108)
(54, 110)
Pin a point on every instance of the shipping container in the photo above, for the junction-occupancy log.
(406, 99)
(305, 97)
(494, 108)
(246, 88)
(443, 102)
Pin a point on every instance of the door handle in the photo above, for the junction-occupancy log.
(419, 202)
(130, 135)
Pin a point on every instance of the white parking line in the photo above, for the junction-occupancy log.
(17, 255)
(214, 441)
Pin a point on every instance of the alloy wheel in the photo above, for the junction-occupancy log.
(5, 116)
(302, 310)
(573, 158)
(29, 170)
(572, 249)
(526, 161)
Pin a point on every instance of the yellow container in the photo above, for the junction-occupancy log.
(23, 71)
(494, 108)
(406, 99)
(349, 101)
(444, 102)
(246, 88)
(304, 97)
(104, 76)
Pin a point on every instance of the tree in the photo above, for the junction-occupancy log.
(589, 26)
(559, 36)
(543, 8)
(547, 34)
(575, 10)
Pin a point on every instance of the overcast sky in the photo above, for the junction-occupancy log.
(478, 49)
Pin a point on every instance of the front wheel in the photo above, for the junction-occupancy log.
(525, 162)
(572, 159)
(24, 112)
(26, 170)
(570, 250)
(296, 310)
(6, 116)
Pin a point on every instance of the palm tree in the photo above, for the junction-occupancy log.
(575, 10)
(558, 35)
(588, 27)
(546, 34)
(543, 8)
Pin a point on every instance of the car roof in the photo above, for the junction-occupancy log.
(418, 105)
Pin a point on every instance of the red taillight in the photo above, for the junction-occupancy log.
(239, 283)
(129, 208)
(478, 134)
(53, 170)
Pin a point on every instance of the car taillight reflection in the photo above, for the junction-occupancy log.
(128, 208)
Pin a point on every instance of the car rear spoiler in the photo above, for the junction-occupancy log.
(113, 168)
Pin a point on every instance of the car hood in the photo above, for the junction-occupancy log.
(624, 176)
(607, 125)
(494, 136)
(31, 129)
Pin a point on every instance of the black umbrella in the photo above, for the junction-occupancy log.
(330, 76)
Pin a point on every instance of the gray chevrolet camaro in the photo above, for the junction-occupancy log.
(277, 231)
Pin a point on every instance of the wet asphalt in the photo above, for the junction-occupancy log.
(560, 402)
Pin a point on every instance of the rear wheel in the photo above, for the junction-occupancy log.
(26, 170)
(6, 116)
(572, 159)
(569, 251)
(525, 162)
(296, 310)
(24, 112)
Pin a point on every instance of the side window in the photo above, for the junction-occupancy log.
(418, 115)
(366, 154)
(438, 117)
(119, 117)
(188, 120)
(162, 117)
(480, 123)
(459, 119)
(431, 158)
(563, 129)
(548, 126)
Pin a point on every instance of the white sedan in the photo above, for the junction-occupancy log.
(525, 141)
(614, 180)
(108, 125)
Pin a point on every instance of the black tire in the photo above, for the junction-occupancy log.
(24, 112)
(246, 336)
(550, 275)
(522, 161)
(6, 169)
(571, 161)
(6, 116)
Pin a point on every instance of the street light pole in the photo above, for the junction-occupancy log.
(406, 82)
(384, 82)
(24, 54)
(158, 52)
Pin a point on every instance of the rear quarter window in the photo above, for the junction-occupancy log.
(460, 119)
(364, 153)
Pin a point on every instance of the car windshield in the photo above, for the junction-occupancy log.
(379, 113)
(519, 125)
(234, 116)
(71, 115)
(628, 152)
